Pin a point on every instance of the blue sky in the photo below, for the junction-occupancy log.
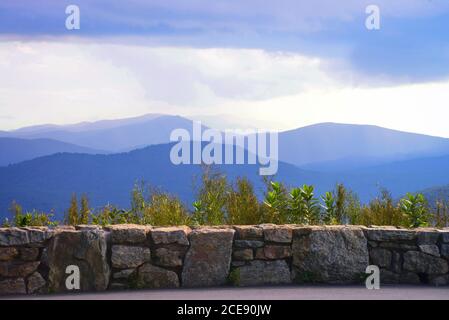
(251, 58)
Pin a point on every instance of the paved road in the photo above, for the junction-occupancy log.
(266, 293)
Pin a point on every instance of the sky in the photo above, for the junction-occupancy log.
(272, 64)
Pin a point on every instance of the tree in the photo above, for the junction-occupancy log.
(73, 211)
(85, 210)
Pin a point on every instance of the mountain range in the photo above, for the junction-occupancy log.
(41, 166)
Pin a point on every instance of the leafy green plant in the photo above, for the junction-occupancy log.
(212, 198)
(277, 203)
(415, 208)
(310, 204)
(330, 208)
(242, 205)
(27, 219)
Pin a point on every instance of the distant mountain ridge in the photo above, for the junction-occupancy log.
(328, 147)
(339, 147)
(47, 182)
(14, 150)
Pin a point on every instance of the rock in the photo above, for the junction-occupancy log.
(118, 286)
(124, 257)
(128, 233)
(39, 235)
(259, 272)
(123, 274)
(12, 286)
(380, 257)
(208, 259)
(13, 237)
(396, 262)
(445, 251)
(373, 244)
(428, 237)
(243, 254)
(331, 254)
(168, 257)
(431, 249)
(29, 254)
(387, 235)
(84, 249)
(444, 236)
(17, 269)
(149, 276)
(419, 262)
(274, 233)
(36, 283)
(442, 280)
(388, 277)
(238, 263)
(248, 244)
(171, 235)
(248, 232)
(8, 253)
(273, 252)
(300, 231)
(399, 246)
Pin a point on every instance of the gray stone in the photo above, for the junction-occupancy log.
(396, 262)
(428, 237)
(13, 237)
(149, 276)
(445, 236)
(399, 246)
(12, 286)
(8, 253)
(388, 277)
(39, 235)
(36, 283)
(445, 251)
(123, 274)
(168, 257)
(171, 235)
(274, 233)
(248, 244)
(243, 254)
(431, 249)
(17, 269)
(331, 254)
(118, 286)
(441, 280)
(128, 233)
(274, 252)
(377, 234)
(248, 232)
(380, 257)
(259, 272)
(125, 257)
(238, 263)
(84, 227)
(29, 254)
(208, 259)
(84, 249)
(419, 262)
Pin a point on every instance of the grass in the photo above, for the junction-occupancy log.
(220, 202)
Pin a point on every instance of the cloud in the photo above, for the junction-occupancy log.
(43, 82)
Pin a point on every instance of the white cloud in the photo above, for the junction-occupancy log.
(54, 82)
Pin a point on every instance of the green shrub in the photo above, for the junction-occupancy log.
(382, 212)
(242, 205)
(211, 199)
(27, 219)
(414, 208)
(276, 203)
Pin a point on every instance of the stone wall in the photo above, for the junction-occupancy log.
(34, 260)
